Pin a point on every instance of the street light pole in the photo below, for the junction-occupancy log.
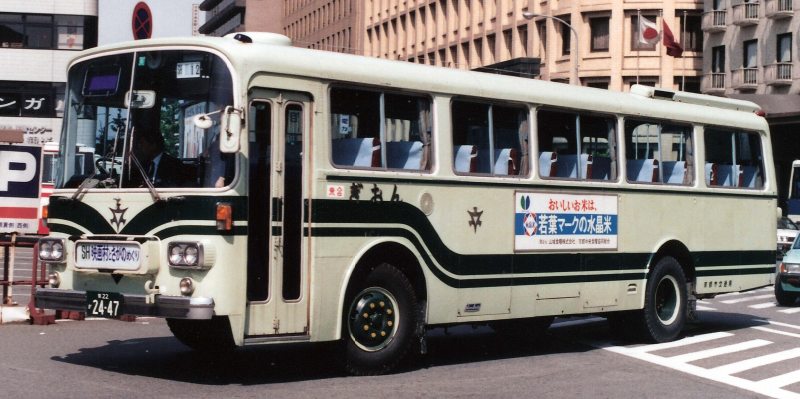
(573, 79)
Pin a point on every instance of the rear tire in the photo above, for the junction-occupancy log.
(380, 322)
(664, 313)
(203, 335)
(784, 298)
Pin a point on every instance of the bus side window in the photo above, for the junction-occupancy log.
(658, 152)
(577, 146)
(496, 135)
(736, 157)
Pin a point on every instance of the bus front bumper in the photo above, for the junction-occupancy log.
(178, 307)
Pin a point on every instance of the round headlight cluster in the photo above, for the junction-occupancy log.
(51, 250)
(183, 254)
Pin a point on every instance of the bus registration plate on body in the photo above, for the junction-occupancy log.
(106, 255)
(104, 304)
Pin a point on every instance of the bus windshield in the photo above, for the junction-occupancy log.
(128, 122)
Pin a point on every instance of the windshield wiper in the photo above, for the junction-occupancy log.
(147, 182)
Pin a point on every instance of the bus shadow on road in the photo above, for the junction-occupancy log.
(166, 358)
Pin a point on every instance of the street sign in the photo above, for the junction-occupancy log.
(20, 186)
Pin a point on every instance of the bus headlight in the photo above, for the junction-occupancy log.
(51, 249)
(188, 255)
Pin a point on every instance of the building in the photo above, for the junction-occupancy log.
(750, 55)
(122, 20)
(37, 38)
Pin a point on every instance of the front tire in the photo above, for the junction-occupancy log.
(380, 322)
(664, 313)
(782, 297)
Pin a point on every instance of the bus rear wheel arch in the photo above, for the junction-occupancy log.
(381, 318)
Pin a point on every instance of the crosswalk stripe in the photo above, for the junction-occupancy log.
(748, 364)
(781, 380)
(705, 308)
(777, 331)
(747, 299)
(722, 350)
(681, 342)
(763, 305)
(790, 311)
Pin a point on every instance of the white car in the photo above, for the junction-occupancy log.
(787, 231)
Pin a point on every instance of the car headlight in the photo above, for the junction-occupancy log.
(186, 255)
(790, 268)
(51, 249)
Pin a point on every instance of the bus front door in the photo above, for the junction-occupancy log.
(277, 295)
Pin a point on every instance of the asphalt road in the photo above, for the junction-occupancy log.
(744, 347)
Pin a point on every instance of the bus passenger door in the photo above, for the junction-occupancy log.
(277, 295)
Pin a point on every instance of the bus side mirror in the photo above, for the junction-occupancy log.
(231, 126)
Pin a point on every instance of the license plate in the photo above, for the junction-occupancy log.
(104, 304)
(108, 255)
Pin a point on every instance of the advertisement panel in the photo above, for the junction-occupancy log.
(565, 222)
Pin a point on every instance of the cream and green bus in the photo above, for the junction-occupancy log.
(303, 196)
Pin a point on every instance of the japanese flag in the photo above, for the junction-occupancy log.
(648, 32)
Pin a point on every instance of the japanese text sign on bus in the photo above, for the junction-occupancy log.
(554, 221)
(20, 182)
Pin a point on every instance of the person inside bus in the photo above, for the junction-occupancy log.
(160, 167)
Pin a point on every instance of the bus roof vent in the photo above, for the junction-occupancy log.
(274, 39)
(694, 98)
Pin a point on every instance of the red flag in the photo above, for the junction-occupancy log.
(673, 48)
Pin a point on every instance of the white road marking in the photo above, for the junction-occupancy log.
(790, 311)
(681, 342)
(770, 330)
(763, 305)
(781, 380)
(722, 350)
(706, 308)
(746, 299)
(752, 363)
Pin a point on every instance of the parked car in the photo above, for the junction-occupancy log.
(787, 232)
(787, 278)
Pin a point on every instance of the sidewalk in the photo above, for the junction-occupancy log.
(14, 314)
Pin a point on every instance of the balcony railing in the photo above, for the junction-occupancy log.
(779, 74)
(744, 78)
(713, 82)
(745, 14)
(779, 9)
(715, 21)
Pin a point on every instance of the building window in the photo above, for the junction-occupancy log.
(690, 84)
(784, 53)
(639, 38)
(566, 36)
(750, 53)
(597, 84)
(600, 33)
(47, 32)
(718, 59)
(691, 32)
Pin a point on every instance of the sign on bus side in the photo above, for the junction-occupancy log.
(20, 188)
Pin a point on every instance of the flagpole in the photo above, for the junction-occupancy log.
(683, 60)
(638, 45)
(658, 48)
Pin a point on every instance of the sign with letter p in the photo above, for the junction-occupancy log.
(20, 183)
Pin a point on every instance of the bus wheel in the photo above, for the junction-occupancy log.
(784, 298)
(381, 320)
(664, 312)
(203, 335)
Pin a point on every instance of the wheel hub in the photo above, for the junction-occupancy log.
(373, 319)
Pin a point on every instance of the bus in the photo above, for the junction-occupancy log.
(793, 199)
(316, 196)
